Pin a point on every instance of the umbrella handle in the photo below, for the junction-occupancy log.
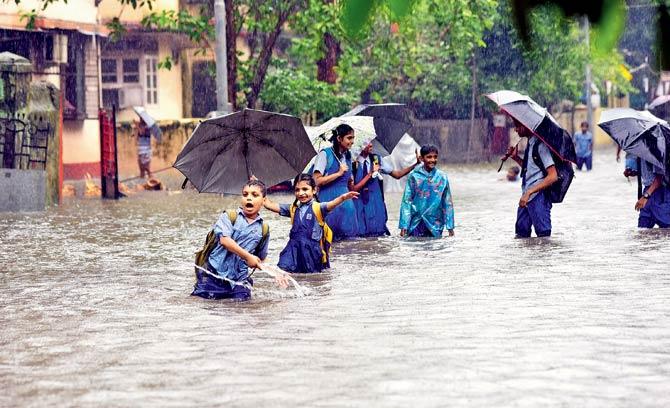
(501, 164)
(183, 185)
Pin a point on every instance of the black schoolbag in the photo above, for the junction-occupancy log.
(557, 191)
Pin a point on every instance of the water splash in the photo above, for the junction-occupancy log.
(272, 272)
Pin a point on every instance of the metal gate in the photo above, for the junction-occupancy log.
(109, 170)
(24, 143)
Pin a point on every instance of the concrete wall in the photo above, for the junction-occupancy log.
(175, 135)
(113, 8)
(452, 137)
(22, 190)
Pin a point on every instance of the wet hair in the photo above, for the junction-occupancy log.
(427, 149)
(516, 170)
(307, 178)
(259, 184)
(340, 131)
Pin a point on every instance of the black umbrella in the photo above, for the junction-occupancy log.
(639, 133)
(661, 100)
(224, 152)
(391, 120)
(537, 120)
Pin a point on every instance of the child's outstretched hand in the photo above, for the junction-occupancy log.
(418, 156)
(349, 195)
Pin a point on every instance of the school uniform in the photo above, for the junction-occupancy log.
(657, 209)
(426, 208)
(537, 213)
(227, 264)
(370, 206)
(303, 252)
(342, 220)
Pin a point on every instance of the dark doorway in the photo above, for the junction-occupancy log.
(203, 85)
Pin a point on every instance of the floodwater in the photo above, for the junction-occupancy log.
(95, 309)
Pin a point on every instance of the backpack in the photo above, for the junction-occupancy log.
(557, 191)
(202, 256)
(327, 236)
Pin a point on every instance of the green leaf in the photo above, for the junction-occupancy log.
(607, 32)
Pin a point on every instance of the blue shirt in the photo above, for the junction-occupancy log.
(427, 198)
(583, 143)
(246, 234)
(317, 232)
(534, 173)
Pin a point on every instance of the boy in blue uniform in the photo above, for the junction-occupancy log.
(370, 207)
(534, 206)
(584, 147)
(240, 245)
(654, 205)
(427, 208)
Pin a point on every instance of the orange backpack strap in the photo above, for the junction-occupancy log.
(291, 210)
(316, 208)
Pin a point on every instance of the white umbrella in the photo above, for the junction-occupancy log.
(364, 132)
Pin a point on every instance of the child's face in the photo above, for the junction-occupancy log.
(303, 192)
(430, 160)
(367, 150)
(346, 141)
(252, 200)
(585, 128)
(522, 131)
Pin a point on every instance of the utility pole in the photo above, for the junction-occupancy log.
(588, 80)
(221, 53)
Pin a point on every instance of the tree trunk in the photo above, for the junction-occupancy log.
(231, 53)
(473, 107)
(261, 67)
(326, 65)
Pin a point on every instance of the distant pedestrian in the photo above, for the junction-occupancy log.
(584, 147)
(145, 128)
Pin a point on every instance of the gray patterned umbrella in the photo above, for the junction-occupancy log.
(639, 133)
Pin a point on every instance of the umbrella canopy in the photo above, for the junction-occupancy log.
(639, 133)
(225, 151)
(538, 120)
(391, 121)
(149, 121)
(663, 99)
(364, 134)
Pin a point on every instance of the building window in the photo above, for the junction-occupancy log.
(108, 68)
(151, 86)
(129, 80)
(131, 71)
(73, 86)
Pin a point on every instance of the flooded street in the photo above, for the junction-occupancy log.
(95, 308)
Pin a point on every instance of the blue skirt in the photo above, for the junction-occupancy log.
(302, 256)
(210, 287)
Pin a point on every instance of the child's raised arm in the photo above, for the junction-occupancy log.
(331, 205)
(271, 205)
